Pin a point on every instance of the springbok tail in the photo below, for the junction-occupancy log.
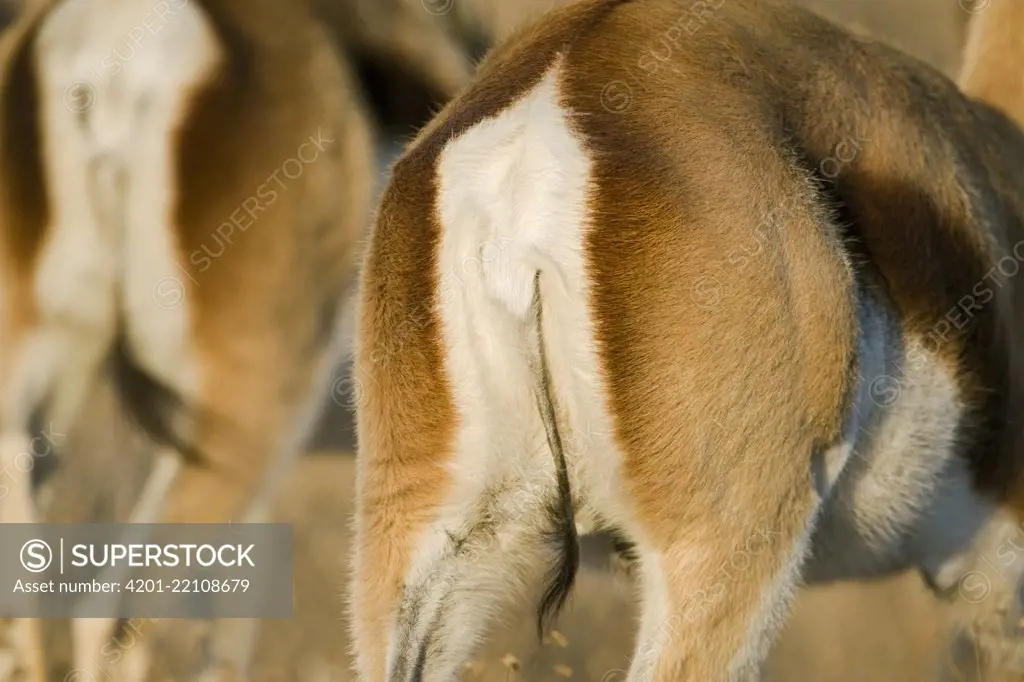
(993, 59)
(563, 573)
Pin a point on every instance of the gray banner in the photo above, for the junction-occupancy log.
(145, 570)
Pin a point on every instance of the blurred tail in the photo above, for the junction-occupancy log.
(993, 64)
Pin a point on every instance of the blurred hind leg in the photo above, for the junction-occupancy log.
(21, 648)
(58, 362)
(54, 367)
(250, 425)
(68, 371)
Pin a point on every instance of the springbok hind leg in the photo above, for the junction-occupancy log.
(477, 563)
(714, 599)
(431, 569)
(22, 656)
(92, 635)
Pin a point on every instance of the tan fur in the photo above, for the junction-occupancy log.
(410, 485)
(992, 75)
(987, 605)
(22, 653)
(992, 57)
(734, 418)
(262, 245)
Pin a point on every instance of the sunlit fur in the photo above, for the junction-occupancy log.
(183, 186)
(776, 266)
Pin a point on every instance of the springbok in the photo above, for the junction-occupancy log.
(767, 269)
(182, 189)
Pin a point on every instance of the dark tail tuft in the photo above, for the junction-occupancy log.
(563, 573)
(152, 405)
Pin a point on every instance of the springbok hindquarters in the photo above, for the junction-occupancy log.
(713, 275)
(182, 185)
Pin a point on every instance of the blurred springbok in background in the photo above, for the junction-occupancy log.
(183, 185)
(768, 267)
(414, 55)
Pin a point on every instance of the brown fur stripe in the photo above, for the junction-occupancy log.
(406, 420)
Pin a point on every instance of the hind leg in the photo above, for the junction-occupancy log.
(252, 416)
(713, 602)
(50, 371)
(21, 647)
(720, 554)
(68, 385)
(184, 492)
(452, 526)
(483, 550)
(91, 635)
